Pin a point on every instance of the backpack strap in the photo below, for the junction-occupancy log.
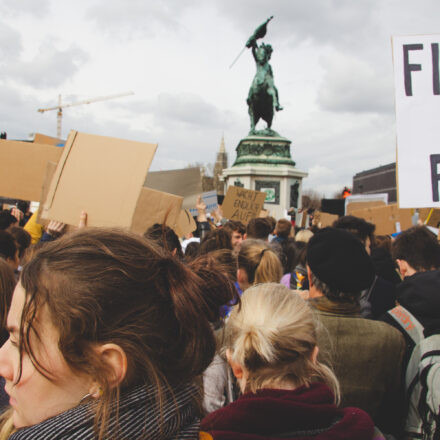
(408, 323)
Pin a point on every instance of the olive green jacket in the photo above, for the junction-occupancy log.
(366, 357)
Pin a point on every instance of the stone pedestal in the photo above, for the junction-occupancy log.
(264, 163)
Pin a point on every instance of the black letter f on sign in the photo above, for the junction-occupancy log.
(435, 176)
(408, 68)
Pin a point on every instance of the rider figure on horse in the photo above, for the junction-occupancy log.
(263, 95)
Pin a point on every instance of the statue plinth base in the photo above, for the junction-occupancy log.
(257, 149)
(264, 163)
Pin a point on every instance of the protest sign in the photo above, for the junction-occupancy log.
(23, 168)
(48, 140)
(185, 182)
(185, 223)
(417, 96)
(242, 204)
(323, 219)
(155, 207)
(388, 219)
(100, 175)
(210, 199)
(363, 201)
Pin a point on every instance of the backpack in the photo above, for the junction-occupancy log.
(422, 378)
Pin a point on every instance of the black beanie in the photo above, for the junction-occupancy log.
(339, 259)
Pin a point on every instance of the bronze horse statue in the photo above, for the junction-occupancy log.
(263, 95)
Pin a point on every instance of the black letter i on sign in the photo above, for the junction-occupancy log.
(435, 69)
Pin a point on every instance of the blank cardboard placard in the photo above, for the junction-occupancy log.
(186, 182)
(242, 204)
(185, 223)
(100, 175)
(386, 217)
(23, 168)
(155, 207)
(48, 140)
(324, 219)
(417, 90)
(50, 171)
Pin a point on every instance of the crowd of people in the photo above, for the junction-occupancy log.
(255, 332)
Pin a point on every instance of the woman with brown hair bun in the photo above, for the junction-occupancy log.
(107, 333)
(271, 346)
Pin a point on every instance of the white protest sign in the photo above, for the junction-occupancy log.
(417, 95)
(210, 199)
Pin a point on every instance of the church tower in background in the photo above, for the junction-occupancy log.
(220, 164)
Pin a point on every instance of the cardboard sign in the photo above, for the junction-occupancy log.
(387, 218)
(323, 219)
(23, 168)
(186, 182)
(100, 175)
(185, 223)
(50, 171)
(417, 95)
(48, 140)
(363, 201)
(242, 204)
(210, 199)
(155, 207)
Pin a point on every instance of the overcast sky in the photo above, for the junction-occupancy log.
(332, 63)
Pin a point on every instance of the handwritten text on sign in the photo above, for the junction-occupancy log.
(417, 91)
(242, 204)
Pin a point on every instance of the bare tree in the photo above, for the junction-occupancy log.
(311, 199)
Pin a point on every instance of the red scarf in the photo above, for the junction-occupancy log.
(288, 414)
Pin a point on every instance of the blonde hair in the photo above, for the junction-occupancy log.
(273, 336)
(304, 235)
(260, 262)
(7, 424)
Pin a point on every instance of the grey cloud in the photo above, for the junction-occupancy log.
(31, 7)
(188, 109)
(11, 46)
(137, 17)
(351, 85)
(322, 21)
(50, 68)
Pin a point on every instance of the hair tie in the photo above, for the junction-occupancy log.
(262, 253)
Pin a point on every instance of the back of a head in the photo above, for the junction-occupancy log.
(283, 228)
(303, 235)
(357, 226)
(8, 246)
(102, 285)
(214, 240)
(22, 237)
(259, 228)
(273, 335)
(6, 220)
(165, 237)
(341, 268)
(418, 247)
(260, 262)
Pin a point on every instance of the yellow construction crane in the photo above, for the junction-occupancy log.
(60, 107)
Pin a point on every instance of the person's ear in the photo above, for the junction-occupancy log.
(309, 275)
(315, 353)
(114, 356)
(237, 369)
(403, 267)
(242, 277)
(244, 236)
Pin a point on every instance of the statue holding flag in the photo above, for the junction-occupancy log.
(263, 95)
